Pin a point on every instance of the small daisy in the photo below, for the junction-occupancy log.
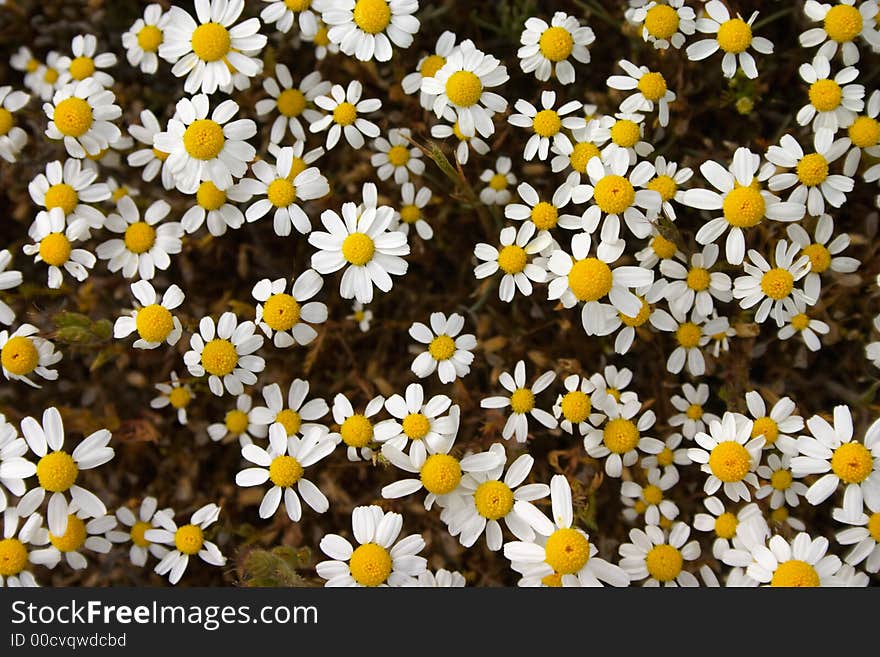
(218, 206)
(379, 559)
(188, 540)
(723, 524)
(12, 137)
(357, 430)
(721, 340)
(691, 417)
(664, 25)
(77, 535)
(546, 48)
(285, 314)
(834, 103)
(410, 214)
(135, 530)
(620, 438)
(143, 38)
(863, 534)
(395, 156)
(322, 42)
(80, 114)
(574, 409)
(544, 215)
(367, 28)
(14, 468)
(729, 455)
(733, 36)
(291, 102)
(667, 181)
(465, 143)
(781, 487)
(225, 353)
(85, 63)
(609, 387)
(649, 500)
(344, 107)
(421, 424)
(449, 353)
(660, 247)
(43, 80)
(23, 353)
(239, 422)
(521, 402)
(671, 456)
(650, 88)
(297, 417)
(153, 321)
(649, 296)
(864, 134)
(796, 321)
(769, 286)
(205, 50)
(513, 259)
(362, 316)
(150, 158)
(173, 394)
(546, 124)
(626, 132)
(842, 24)
(71, 188)
(53, 244)
(576, 152)
(499, 180)
(119, 191)
(777, 425)
(427, 67)
(283, 13)
(823, 253)
(696, 287)
(659, 559)
(16, 547)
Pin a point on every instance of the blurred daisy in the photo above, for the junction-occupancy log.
(367, 28)
(142, 41)
(499, 180)
(396, 156)
(12, 137)
(620, 438)
(664, 25)
(544, 215)
(14, 468)
(77, 536)
(85, 63)
(650, 88)
(410, 214)
(43, 80)
(285, 314)
(154, 321)
(53, 244)
(649, 500)
(729, 455)
(781, 486)
(80, 114)
(842, 24)
(322, 42)
(513, 259)
(421, 425)
(16, 547)
(823, 253)
(362, 316)
(218, 206)
(863, 534)
(225, 353)
(291, 102)
(733, 36)
(150, 158)
(546, 48)
(71, 188)
(449, 353)
(344, 107)
(834, 102)
(296, 417)
(283, 13)
(777, 425)
(134, 528)
(427, 67)
(723, 524)
(174, 394)
(769, 286)
(671, 456)
(239, 422)
(23, 354)
(465, 143)
(696, 286)
(188, 540)
(797, 321)
(357, 430)
(546, 123)
(659, 249)
(521, 402)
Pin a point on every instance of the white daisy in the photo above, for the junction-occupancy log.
(733, 36)
(80, 114)
(322, 42)
(153, 321)
(660, 247)
(412, 203)
(16, 547)
(218, 206)
(174, 394)
(781, 487)
(834, 102)
(513, 259)
(286, 315)
(658, 558)
(650, 87)
(427, 67)
(777, 425)
(576, 152)
(842, 24)
(770, 285)
(14, 468)
(135, 530)
(53, 244)
(150, 158)
(864, 134)
(71, 188)
(362, 316)
(367, 28)
(283, 13)
(144, 37)
(823, 253)
(449, 353)
(225, 353)
(23, 354)
(421, 425)
(344, 107)
(12, 137)
(724, 524)
(797, 321)
(671, 456)
(624, 132)
(357, 430)
(729, 455)
(499, 180)
(863, 534)
(544, 215)
(239, 423)
(465, 143)
(396, 156)
(620, 438)
(85, 63)
(649, 500)
(546, 48)
(696, 287)
(546, 124)
(666, 24)
(296, 417)
(77, 535)
(667, 181)
(43, 80)
(521, 402)
(291, 102)
(188, 540)
(609, 387)
(574, 409)
(691, 416)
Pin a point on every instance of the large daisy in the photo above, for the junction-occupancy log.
(545, 49)
(367, 28)
(80, 115)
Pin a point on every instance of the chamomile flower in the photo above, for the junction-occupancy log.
(832, 452)
(781, 486)
(150, 158)
(521, 402)
(362, 316)
(671, 456)
(43, 80)
(769, 286)
(78, 535)
(134, 527)
(421, 424)
(395, 156)
(23, 60)
(427, 67)
(648, 295)
(379, 559)
(733, 36)
(12, 137)
(14, 468)
(864, 134)
(201, 148)
(658, 558)
(239, 422)
(664, 24)
(576, 152)
(53, 244)
(546, 124)
(465, 143)
(620, 438)
(574, 408)
(609, 387)
(412, 203)
(559, 554)
(80, 115)
(449, 353)
(24, 354)
(691, 416)
(344, 107)
(650, 87)
(72, 188)
(58, 471)
(729, 455)
(667, 181)
(284, 463)
(798, 322)
(296, 417)
(367, 28)
(119, 191)
(660, 248)
(361, 242)
(357, 430)
(225, 353)
(823, 252)
(285, 317)
(153, 321)
(143, 38)
(175, 394)
(513, 259)
(292, 102)
(283, 13)
(544, 215)
(187, 540)
(696, 286)
(498, 182)
(777, 425)
(721, 340)
(649, 500)
(723, 524)
(204, 50)
(16, 548)
(546, 48)
(842, 24)
(322, 42)
(145, 245)
(85, 63)
(834, 102)
(863, 534)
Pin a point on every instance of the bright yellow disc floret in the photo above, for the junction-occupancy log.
(663, 247)
(698, 279)
(546, 123)
(688, 335)
(734, 36)
(576, 406)
(590, 279)
(567, 551)
(154, 323)
(356, 431)
(725, 525)
(522, 400)
(812, 169)
(137, 533)
(729, 461)
(767, 427)
(140, 237)
(236, 422)
(661, 21)
(556, 43)
(210, 197)
(55, 249)
(464, 88)
(843, 23)
(219, 357)
(781, 480)
(440, 474)
(825, 95)
(620, 435)
(74, 536)
(82, 68)
(664, 562)
(398, 156)
(431, 65)
(512, 259)
(291, 102)
(852, 462)
(665, 186)
(358, 249)
(7, 120)
(281, 312)
(583, 152)
(281, 192)
(149, 38)
(493, 499)
(410, 214)
(57, 471)
(544, 216)
(442, 347)
(179, 397)
(13, 557)
(777, 283)
(416, 426)
(211, 42)
(625, 133)
(61, 196)
(744, 207)
(614, 194)
(189, 539)
(639, 319)
(290, 420)
(370, 564)
(19, 355)
(653, 86)
(795, 573)
(372, 16)
(204, 139)
(345, 114)
(285, 471)
(73, 117)
(820, 257)
(864, 132)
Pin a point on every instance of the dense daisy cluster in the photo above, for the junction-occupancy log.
(223, 211)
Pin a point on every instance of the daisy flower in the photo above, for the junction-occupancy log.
(135, 528)
(12, 137)
(777, 425)
(442, 578)
(80, 115)
(361, 242)
(284, 464)
(410, 213)
(649, 500)
(609, 387)
(201, 148)
(344, 107)
(669, 457)
(14, 468)
(43, 80)
(465, 143)
(225, 353)
(620, 438)
(648, 295)
(150, 158)
(239, 422)
(361, 316)
(863, 534)
(544, 215)
(723, 524)
(650, 88)
(729, 455)
(513, 259)
(546, 48)
(206, 50)
(71, 187)
(291, 102)
(796, 321)
(395, 156)
(842, 24)
(322, 42)
(559, 554)
(23, 60)
(832, 453)
(864, 134)
(546, 123)
(379, 559)
(23, 353)
(834, 102)
(357, 430)
(574, 408)
(17, 546)
(460, 90)
(658, 558)
(733, 36)
(119, 191)
(823, 253)
(781, 487)
(144, 246)
(143, 38)
(427, 67)
(53, 244)
(769, 286)
(659, 248)
(664, 25)
(367, 28)
(499, 179)
(285, 314)
(521, 402)
(296, 418)
(78, 535)
(667, 181)
(85, 63)
(449, 353)
(419, 423)
(153, 321)
(721, 340)
(218, 206)
(188, 540)
(696, 287)
(58, 471)
(691, 416)
(283, 13)
(173, 394)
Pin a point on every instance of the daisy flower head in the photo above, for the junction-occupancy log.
(832, 452)
(283, 13)
(650, 88)
(292, 102)
(360, 241)
(153, 321)
(546, 124)
(823, 252)
(12, 137)
(43, 80)
(23, 60)
(53, 244)
(201, 148)
(834, 102)
(513, 259)
(150, 158)
(175, 394)
(187, 540)
(696, 286)
(649, 500)
(119, 190)
(360, 430)
(16, 547)
(769, 286)
(671, 456)
(449, 353)
(367, 28)
(14, 468)
(58, 471)
(80, 115)
(322, 42)
(723, 524)
(143, 38)
(625, 133)
(238, 422)
(721, 340)
(24, 354)
(465, 142)
(296, 417)
(667, 181)
(657, 558)
(379, 559)
(864, 134)
(777, 425)
(134, 527)
(733, 36)
(225, 352)
(412, 203)
(427, 67)
(843, 23)
(460, 90)
(498, 182)
(79, 534)
(218, 207)
(609, 387)
(521, 402)
(729, 455)
(648, 295)
(286, 318)
(660, 247)
(798, 322)
(559, 554)
(742, 202)
(544, 215)
(206, 48)
(363, 316)
(546, 48)
(863, 534)
(284, 464)
(344, 107)
(664, 24)
(621, 437)
(395, 156)
(575, 152)
(691, 416)
(781, 487)
(85, 63)
(145, 245)
(72, 188)
(421, 424)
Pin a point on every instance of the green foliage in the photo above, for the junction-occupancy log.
(276, 567)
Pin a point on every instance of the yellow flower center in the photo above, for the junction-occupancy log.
(522, 400)
(398, 156)
(137, 533)
(698, 279)
(614, 194)
(321, 36)
(664, 562)
(729, 461)
(180, 397)
(820, 257)
(372, 16)
(291, 102)
(743, 207)
(189, 539)
(688, 335)
(663, 247)
(852, 462)
(73, 117)
(458, 133)
(694, 412)
(356, 431)
(652, 494)
(812, 169)
(19, 356)
(725, 525)
(620, 435)
(119, 193)
(653, 86)
(281, 312)
(512, 259)
(370, 564)
(556, 43)
(440, 474)
(498, 182)
(825, 95)
(6, 121)
(800, 321)
(874, 526)
(661, 21)
(51, 76)
(358, 249)
(61, 196)
(767, 427)
(32, 65)
(493, 499)
(219, 357)
(734, 36)
(546, 123)
(204, 138)
(236, 422)
(795, 573)
(431, 65)
(614, 392)
(154, 323)
(843, 23)
(57, 472)
(779, 515)
(463, 88)
(73, 538)
(281, 192)
(590, 279)
(781, 480)
(82, 68)
(582, 153)
(777, 283)
(211, 42)
(410, 214)
(13, 557)
(864, 132)
(665, 186)
(567, 551)
(140, 237)
(576, 406)
(666, 457)
(544, 216)
(442, 347)
(298, 5)
(160, 155)
(416, 426)
(639, 319)
(625, 133)
(285, 471)
(290, 420)
(553, 580)
(55, 249)
(150, 38)
(209, 197)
